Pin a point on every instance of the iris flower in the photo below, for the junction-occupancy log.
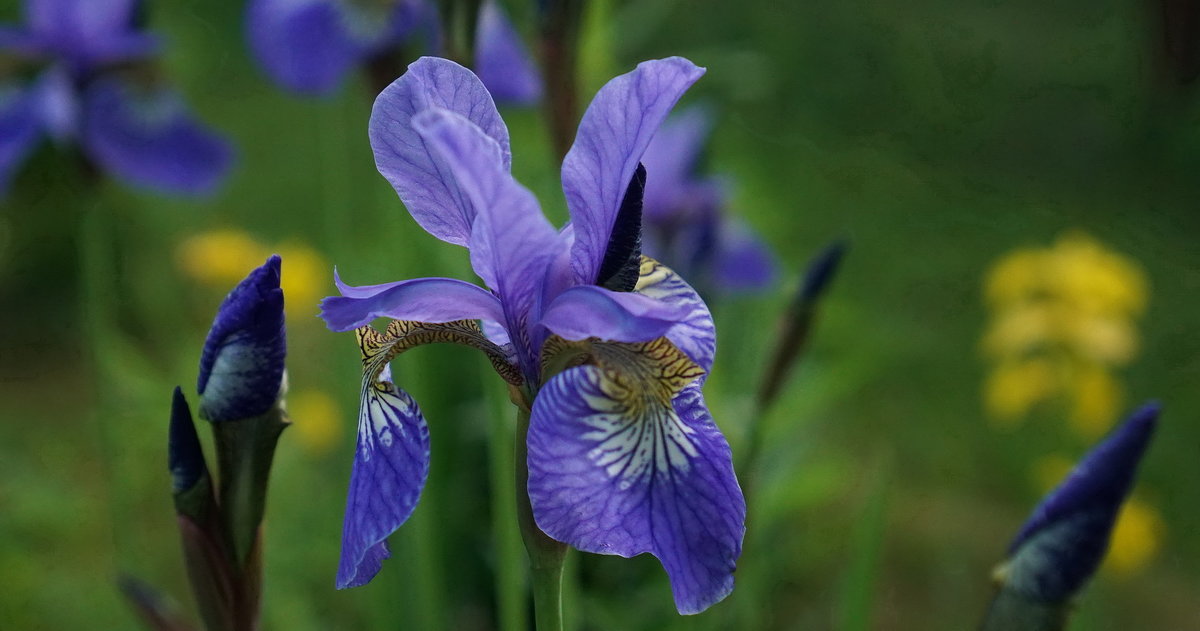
(309, 46)
(606, 349)
(80, 71)
(684, 213)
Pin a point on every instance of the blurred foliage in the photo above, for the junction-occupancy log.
(936, 136)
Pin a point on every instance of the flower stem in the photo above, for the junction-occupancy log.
(559, 47)
(510, 575)
(545, 554)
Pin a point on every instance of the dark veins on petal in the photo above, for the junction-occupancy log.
(622, 260)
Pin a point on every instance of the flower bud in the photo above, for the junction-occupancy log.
(241, 367)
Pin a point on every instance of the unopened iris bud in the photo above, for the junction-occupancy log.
(1062, 544)
(797, 320)
(821, 270)
(241, 367)
(184, 456)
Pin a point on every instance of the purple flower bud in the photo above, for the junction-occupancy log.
(185, 458)
(1063, 542)
(241, 367)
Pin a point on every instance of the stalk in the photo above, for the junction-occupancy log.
(545, 554)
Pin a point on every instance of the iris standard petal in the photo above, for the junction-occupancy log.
(501, 60)
(19, 129)
(511, 242)
(303, 45)
(391, 464)
(420, 300)
(694, 333)
(148, 137)
(421, 179)
(587, 311)
(671, 156)
(611, 474)
(614, 132)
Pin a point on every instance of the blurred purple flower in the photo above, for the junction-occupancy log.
(1067, 535)
(685, 223)
(609, 346)
(87, 59)
(241, 366)
(309, 46)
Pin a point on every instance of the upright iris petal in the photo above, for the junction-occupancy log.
(610, 348)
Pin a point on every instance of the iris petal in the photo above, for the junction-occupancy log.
(615, 469)
(422, 179)
(391, 464)
(587, 311)
(421, 300)
(511, 241)
(302, 45)
(614, 132)
(19, 129)
(694, 332)
(147, 137)
(501, 60)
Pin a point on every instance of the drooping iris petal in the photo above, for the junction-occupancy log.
(148, 137)
(501, 61)
(614, 132)
(612, 472)
(421, 179)
(671, 157)
(391, 464)
(694, 333)
(19, 129)
(511, 242)
(586, 311)
(421, 300)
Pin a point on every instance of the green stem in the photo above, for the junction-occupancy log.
(545, 554)
(1010, 611)
(506, 538)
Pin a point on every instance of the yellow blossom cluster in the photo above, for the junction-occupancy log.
(221, 258)
(1063, 319)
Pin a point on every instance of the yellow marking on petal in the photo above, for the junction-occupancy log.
(377, 349)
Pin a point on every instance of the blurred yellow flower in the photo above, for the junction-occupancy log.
(316, 420)
(221, 258)
(1063, 317)
(1098, 399)
(1135, 539)
(1014, 387)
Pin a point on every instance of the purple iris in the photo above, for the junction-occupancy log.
(1065, 539)
(684, 213)
(309, 46)
(82, 74)
(607, 349)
